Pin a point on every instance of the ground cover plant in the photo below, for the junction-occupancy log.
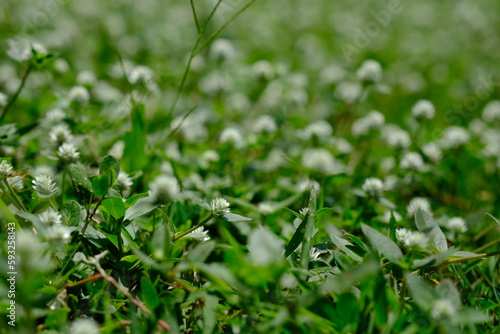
(232, 166)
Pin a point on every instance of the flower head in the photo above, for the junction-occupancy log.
(370, 70)
(123, 181)
(5, 169)
(232, 135)
(402, 235)
(492, 111)
(373, 186)
(44, 186)
(417, 239)
(164, 189)
(79, 94)
(219, 206)
(60, 134)
(3, 100)
(454, 136)
(418, 203)
(68, 152)
(412, 161)
(84, 326)
(457, 223)
(423, 109)
(443, 308)
(265, 123)
(50, 216)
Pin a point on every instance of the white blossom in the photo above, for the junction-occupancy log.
(5, 169)
(232, 135)
(373, 186)
(265, 123)
(491, 111)
(50, 216)
(44, 186)
(164, 189)
(370, 70)
(443, 308)
(454, 136)
(423, 109)
(219, 206)
(3, 100)
(457, 223)
(418, 203)
(79, 94)
(68, 152)
(84, 326)
(402, 235)
(417, 239)
(412, 161)
(348, 92)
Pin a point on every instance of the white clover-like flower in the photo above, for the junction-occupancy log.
(418, 203)
(342, 145)
(58, 232)
(454, 136)
(68, 152)
(417, 239)
(3, 100)
(390, 182)
(84, 326)
(332, 74)
(79, 94)
(50, 216)
(318, 160)
(265, 123)
(79, 257)
(5, 169)
(374, 120)
(232, 135)
(44, 170)
(222, 49)
(402, 235)
(219, 206)
(164, 189)
(44, 186)
(61, 65)
(141, 75)
(123, 181)
(396, 137)
(348, 92)
(432, 151)
(423, 109)
(16, 183)
(20, 50)
(370, 70)
(387, 216)
(266, 208)
(373, 186)
(54, 116)
(491, 111)
(199, 233)
(443, 308)
(319, 129)
(412, 161)
(457, 223)
(263, 69)
(86, 78)
(60, 134)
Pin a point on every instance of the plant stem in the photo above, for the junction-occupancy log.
(14, 197)
(89, 218)
(19, 89)
(193, 228)
(473, 257)
(195, 16)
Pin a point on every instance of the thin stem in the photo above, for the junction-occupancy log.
(210, 16)
(19, 89)
(193, 228)
(195, 16)
(14, 197)
(487, 245)
(223, 26)
(89, 218)
(174, 131)
(473, 257)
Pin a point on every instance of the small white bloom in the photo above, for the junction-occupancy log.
(491, 111)
(319, 129)
(417, 239)
(396, 137)
(79, 94)
(319, 160)
(412, 161)
(43, 170)
(432, 151)
(68, 152)
(141, 75)
(454, 136)
(423, 109)
(50, 216)
(265, 123)
(219, 206)
(123, 181)
(61, 65)
(418, 203)
(402, 235)
(390, 182)
(79, 257)
(164, 189)
(443, 308)
(222, 49)
(372, 121)
(86, 78)
(266, 208)
(348, 92)
(232, 135)
(84, 326)
(342, 146)
(263, 69)
(58, 232)
(332, 74)
(60, 134)
(20, 50)
(199, 233)
(16, 183)
(373, 187)
(370, 70)
(457, 223)
(5, 169)
(3, 100)
(44, 186)
(387, 216)
(54, 116)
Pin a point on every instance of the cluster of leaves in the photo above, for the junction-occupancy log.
(272, 123)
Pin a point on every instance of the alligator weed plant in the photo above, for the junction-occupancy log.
(243, 166)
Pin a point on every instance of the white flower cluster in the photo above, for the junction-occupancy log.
(374, 120)
(418, 203)
(370, 70)
(233, 136)
(219, 206)
(412, 161)
(348, 92)
(396, 137)
(411, 239)
(44, 186)
(454, 137)
(491, 111)
(79, 95)
(265, 124)
(373, 187)
(458, 224)
(5, 169)
(318, 160)
(423, 109)
(164, 189)
(319, 129)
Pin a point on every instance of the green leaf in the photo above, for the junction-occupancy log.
(115, 207)
(101, 184)
(149, 294)
(392, 227)
(210, 314)
(79, 176)
(197, 200)
(134, 153)
(141, 207)
(201, 252)
(348, 311)
(231, 217)
(383, 244)
(110, 167)
(421, 292)
(265, 247)
(296, 238)
(309, 230)
(426, 224)
(493, 218)
(322, 211)
(71, 213)
(161, 242)
(470, 316)
(342, 244)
